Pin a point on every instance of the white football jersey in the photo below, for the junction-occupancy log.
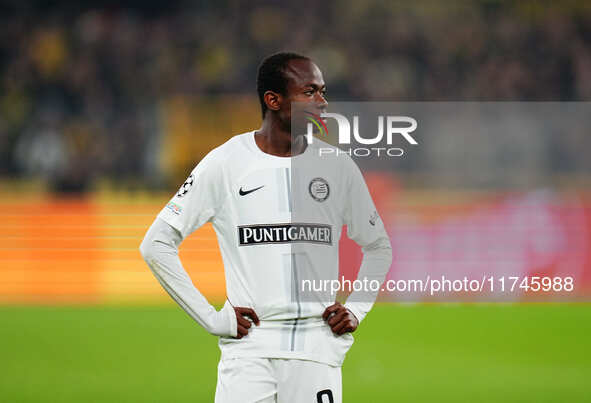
(278, 221)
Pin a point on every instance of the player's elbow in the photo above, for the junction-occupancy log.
(390, 255)
(385, 247)
(160, 241)
(147, 249)
(385, 252)
(380, 247)
(388, 249)
(153, 246)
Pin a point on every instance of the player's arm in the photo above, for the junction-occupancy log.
(198, 201)
(160, 250)
(366, 228)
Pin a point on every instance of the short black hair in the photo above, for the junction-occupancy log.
(271, 75)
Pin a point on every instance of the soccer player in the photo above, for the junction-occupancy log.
(278, 212)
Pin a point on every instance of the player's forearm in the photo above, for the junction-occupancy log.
(160, 251)
(377, 258)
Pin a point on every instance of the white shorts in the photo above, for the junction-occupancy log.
(277, 380)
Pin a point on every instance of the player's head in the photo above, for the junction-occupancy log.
(284, 78)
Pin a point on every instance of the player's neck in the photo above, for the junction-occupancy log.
(272, 139)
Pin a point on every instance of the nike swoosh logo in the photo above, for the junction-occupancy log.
(245, 192)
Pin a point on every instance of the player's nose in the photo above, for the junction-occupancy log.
(322, 103)
(321, 106)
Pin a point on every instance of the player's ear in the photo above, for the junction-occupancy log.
(273, 100)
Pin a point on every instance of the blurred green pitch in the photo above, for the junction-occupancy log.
(403, 353)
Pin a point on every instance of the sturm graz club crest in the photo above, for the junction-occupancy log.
(186, 186)
(319, 189)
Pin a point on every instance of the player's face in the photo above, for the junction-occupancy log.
(306, 87)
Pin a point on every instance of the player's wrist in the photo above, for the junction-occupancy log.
(357, 313)
(223, 322)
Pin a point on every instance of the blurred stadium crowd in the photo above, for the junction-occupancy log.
(86, 89)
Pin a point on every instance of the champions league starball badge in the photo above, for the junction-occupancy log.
(186, 186)
(319, 189)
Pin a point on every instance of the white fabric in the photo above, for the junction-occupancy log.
(160, 250)
(376, 256)
(272, 380)
(237, 185)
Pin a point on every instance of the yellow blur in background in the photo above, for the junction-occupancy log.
(86, 250)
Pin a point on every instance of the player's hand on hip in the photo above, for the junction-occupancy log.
(340, 319)
(243, 323)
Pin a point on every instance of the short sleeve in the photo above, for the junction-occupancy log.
(364, 224)
(198, 199)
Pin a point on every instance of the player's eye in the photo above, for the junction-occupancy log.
(309, 92)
